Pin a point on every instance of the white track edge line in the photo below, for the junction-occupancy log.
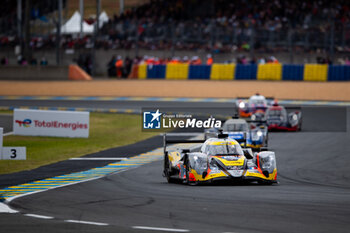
(39, 216)
(6, 209)
(97, 158)
(160, 229)
(87, 222)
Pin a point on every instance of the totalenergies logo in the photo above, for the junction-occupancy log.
(25, 123)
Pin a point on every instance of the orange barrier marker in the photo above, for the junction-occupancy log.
(77, 73)
(134, 72)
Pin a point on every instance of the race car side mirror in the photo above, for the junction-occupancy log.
(248, 153)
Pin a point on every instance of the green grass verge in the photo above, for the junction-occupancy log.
(106, 131)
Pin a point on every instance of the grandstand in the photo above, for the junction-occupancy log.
(239, 31)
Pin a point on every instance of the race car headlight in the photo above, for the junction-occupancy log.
(268, 162)
(259, 133)
(199, 163)
(295, 117)
(241, 105)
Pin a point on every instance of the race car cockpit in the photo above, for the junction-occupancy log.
(235, 127)
(227, 147)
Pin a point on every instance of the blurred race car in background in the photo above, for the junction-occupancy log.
(220, 158)
(276, 118)
(255, 103)
(239, 130)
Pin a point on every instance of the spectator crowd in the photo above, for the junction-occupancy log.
(223, 25)
(214, 25)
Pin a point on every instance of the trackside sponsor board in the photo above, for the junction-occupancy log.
(51, 123)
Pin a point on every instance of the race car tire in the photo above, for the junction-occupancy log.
(187, 180)
(167, 171)
(261, 182)
(172, 180)
(299, 128)
(187, 162)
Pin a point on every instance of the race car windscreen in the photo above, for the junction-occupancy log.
(257, 101)
(224, 149)
(235, 127)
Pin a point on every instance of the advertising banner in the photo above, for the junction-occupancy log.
(51, 123)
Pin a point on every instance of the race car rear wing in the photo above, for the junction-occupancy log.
(292, 107)
(167, 141)
(268, 98)
(255, 121)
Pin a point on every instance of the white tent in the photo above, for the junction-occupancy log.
(103, 19)
(72, 26)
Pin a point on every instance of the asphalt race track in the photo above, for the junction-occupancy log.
(331, 118)
(312, 194)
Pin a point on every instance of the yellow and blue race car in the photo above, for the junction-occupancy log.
(220, 158)
(253, 136)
